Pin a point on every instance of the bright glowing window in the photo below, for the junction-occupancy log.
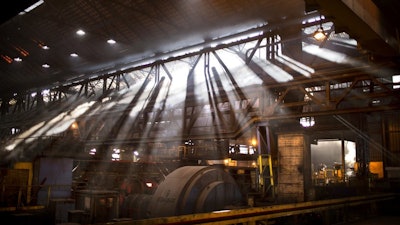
(396, 79)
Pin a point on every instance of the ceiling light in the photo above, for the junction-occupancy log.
(42, 45)
(111, 41)
(32, 7)
(307, 121)
(319, 34)
(46, 65)
(17, 59)
(73, 55)
(80, 32)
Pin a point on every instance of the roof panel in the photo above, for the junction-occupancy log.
(141, 29)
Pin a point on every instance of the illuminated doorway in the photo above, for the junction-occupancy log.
(332, 161)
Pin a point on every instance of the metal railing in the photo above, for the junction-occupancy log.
(266, 214)
(21, 197)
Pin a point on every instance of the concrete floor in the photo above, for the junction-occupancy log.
(379, 220)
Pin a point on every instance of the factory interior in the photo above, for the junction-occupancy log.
(199, 112)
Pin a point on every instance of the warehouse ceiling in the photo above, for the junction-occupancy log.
(41, 48)
(141, 29)
(179, 70)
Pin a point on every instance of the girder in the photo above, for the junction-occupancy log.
(130, 109)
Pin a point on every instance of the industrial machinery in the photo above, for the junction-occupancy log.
(195, 189)
(186, 190)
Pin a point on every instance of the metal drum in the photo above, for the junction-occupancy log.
(135, 206)
(194, 189)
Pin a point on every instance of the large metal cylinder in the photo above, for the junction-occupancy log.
(135, 206)
(194, 189)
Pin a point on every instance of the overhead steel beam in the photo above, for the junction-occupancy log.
(363, 21)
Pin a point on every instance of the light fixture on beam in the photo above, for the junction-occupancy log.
(307, 121)
(319, 34)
